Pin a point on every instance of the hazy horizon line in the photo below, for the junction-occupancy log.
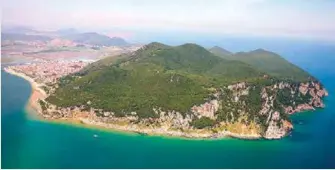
(133, 35)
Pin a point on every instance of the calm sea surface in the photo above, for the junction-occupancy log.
(29, 143)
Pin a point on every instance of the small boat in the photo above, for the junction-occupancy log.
(95, 135)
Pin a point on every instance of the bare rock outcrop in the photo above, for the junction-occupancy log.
(237, 86)
(277, 127)
(316, 93)
(207, 109)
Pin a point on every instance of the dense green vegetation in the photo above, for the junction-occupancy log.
(157, 76)
(177, 78)
(286, 98)
(253, 101)
(202, 122)
(251, 104)
(266, 61)
(221, 52)
(45, 88)
(43, 105)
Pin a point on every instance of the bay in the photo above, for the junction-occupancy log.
(30, 143)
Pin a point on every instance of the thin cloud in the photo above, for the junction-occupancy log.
(254, 17)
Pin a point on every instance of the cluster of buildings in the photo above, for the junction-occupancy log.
(49, 72)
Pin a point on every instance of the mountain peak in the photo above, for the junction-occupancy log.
(190, 45)
(155, 45)
(260, 50)
(219, 51)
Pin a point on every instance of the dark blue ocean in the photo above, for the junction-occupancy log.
(29, 143)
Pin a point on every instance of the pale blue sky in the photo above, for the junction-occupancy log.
(280, 18)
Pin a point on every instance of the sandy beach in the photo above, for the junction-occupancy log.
(36, 92)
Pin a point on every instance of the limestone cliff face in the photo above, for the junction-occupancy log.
(207, 109)
(315, 93)
(277, 101)
(292, 98)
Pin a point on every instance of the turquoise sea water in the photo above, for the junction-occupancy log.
(29, 143)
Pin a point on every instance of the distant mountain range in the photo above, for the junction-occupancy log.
(17, 29)
(96, 39)
(23, 37)
(91, 38)
(68, 31)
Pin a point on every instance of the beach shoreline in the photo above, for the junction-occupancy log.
(35, 111)
(36, 92)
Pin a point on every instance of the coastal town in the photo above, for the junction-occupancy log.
(48, 72)
(43, 76)
(29, 47)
